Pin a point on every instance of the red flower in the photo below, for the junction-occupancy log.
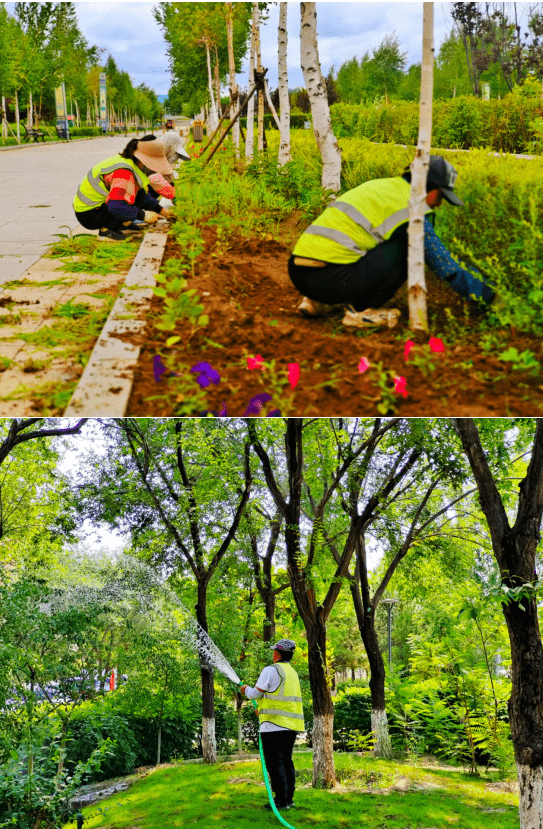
(293, 373)
(255, 362)
(400, 384)
(408, 346)
(363, 365)
(436, 344)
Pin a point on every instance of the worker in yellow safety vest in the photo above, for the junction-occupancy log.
(281, 717)
(354, 255)
(114, 194)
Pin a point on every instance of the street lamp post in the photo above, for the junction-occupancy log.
(389, 605)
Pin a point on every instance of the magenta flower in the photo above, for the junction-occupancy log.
(407, 350)
(255, 362)
(436, 344)
(363, 365)
(400, 384)
(293, 373)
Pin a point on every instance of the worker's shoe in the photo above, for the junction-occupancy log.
(109, 235)
(312, 308)
(281, 807)
(371, 316)
(133, 226)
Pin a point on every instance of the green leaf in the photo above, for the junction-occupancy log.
(203, 319)
(171, 340)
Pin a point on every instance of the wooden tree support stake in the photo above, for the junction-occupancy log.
(259, 84)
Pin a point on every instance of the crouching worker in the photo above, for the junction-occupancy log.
(355, 253)
(281, 717)
(175, 151)
(114, 193)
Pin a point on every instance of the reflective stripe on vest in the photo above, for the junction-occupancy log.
(92, 191)
(357, 221)
(284, 706)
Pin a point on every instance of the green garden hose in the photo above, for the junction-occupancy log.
(267, 780)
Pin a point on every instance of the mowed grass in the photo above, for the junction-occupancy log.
(373, 794)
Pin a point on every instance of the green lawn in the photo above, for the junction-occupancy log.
(372, 793)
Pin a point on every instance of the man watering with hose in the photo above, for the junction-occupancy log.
(281, 717)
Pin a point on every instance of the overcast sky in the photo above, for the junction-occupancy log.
(129, 32)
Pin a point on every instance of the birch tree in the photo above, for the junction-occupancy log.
(259, 69)
(318, 99)
(284, 102)
(416, 285)
(515, 541)
(213, 115)
(232, 70)
(250, 138)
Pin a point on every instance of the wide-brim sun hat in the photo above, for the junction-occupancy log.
(173, 143)
(153, 155)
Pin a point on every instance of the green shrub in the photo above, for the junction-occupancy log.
(352, 713)
(85, 131)
(89, 727)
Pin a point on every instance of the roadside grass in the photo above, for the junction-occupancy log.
(376, 794)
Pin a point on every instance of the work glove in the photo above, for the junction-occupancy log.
(166, 213)
(150, 217)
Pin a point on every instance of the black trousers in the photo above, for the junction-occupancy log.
(277, 746)
(367, 283)
(100, 217)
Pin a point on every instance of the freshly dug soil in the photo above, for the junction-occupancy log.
(252, 304)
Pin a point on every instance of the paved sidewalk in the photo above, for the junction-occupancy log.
(38, 186)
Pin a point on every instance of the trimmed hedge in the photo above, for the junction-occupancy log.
(460, 123)
(85, 131)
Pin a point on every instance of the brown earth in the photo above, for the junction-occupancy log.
(252, 311)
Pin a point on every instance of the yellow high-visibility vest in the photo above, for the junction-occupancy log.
(284, 706)
(93, 192)
(358, 221)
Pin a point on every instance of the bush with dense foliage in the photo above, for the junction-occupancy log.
(459, 123)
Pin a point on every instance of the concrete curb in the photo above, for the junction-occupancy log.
(105, 385)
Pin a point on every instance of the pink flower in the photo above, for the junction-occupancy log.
(408, 346)
(363, 365)
(400, 384)
(293, 373)
(436, 344)
(255, 362)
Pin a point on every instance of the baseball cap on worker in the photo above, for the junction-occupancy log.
(283, 645)
(443, 175)
(153, 155)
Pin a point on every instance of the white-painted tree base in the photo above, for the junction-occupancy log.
(530, 782)
(379, 726)
(209, 746)
(324, 774)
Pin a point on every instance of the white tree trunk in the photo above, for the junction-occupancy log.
(318, 99)
(77, 112)
(259, 67)
(209, 746)
(530, 782)
(4, 119)
(250, 139)
(416, 285)
(324, 774)
(284, 102)
(271, 106)
(213, 119)
(30, 119)
(232, 71)
(379, 726)
(17, 117)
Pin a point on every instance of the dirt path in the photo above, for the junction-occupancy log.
(252, 309)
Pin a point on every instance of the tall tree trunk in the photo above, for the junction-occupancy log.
(366, 626)
(213, 119)
(259, 68)
(30, 115)
(318, 99)
(250, 139)
(324, 775)
(416, 292)
(209, 746)
(515, 549)
(17, 116)
(269, 621)
(234, 95)
(284, 102)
